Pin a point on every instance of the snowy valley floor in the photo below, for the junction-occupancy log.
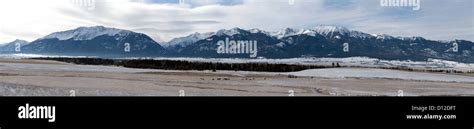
(26, 77)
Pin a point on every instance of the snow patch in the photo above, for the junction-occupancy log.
(86, 33)
(381, 73)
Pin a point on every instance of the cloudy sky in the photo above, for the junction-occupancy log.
(167, 19)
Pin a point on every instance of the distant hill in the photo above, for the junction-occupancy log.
(332, 41)
(96, 41)
(11, 46)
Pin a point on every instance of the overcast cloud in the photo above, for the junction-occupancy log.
(167, 19)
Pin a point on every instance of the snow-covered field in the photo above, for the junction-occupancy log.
(431, 64)
(22, 56)
(20, 77)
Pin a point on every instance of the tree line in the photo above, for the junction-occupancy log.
(186, 65)
(200, 65)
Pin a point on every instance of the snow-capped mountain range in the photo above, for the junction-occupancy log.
(184, 41)
(320, 29)
(10, 47)
(329, 41)
(323, 30)
(87, 33)
(319, 41)
(95, 41)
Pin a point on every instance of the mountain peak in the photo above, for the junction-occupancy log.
(92, 27)
(22, 42)
(184, 41)
(289, 30)
(413, 38)
(286, 32)
(85, 33)
(325, 30)
(230, 32)
(19, 41)
(383, 36)
(10, 47)
(329, 29)
(256, 30)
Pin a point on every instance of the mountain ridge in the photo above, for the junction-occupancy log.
(329, 41)
(13, 45)
(320, 41)
(95, 41)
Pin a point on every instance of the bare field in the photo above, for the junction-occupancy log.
(25, 77)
